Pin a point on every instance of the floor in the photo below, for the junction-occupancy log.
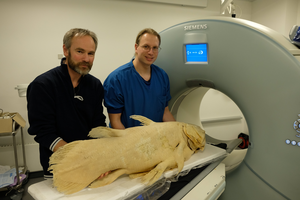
(23, 195)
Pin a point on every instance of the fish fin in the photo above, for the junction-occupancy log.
(144, 120)
(137, 175)
(156, 173)
(67, 187)
(61, 153)
(179, 156)
(105, 132)
(108, 179)
(63, 170)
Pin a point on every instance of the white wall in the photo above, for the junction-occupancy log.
(279, 15)
(32, 31)
(31, 38)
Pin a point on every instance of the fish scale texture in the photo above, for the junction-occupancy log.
(144, 151)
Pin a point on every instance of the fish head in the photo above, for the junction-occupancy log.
(196, 137)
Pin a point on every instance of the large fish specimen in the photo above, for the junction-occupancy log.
(143, 151)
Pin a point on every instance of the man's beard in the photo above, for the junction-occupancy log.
(75, 66)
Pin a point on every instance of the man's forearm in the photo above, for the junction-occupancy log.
(168, 115)
(115, 121)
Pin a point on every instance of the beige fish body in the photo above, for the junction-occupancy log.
(145, 151)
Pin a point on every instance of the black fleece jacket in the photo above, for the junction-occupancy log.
(57, 111)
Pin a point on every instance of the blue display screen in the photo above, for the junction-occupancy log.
(196, 53)
(297, 36)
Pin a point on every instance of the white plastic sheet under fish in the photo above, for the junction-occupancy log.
(123, 187)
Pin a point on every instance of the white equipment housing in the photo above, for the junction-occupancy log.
(259, 70)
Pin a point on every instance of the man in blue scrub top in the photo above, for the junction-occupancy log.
(138, 87)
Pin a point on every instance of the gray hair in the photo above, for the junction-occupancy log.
(67, 41)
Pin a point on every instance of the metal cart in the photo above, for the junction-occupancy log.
(18, 187)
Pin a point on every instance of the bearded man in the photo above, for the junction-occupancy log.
(65, 103)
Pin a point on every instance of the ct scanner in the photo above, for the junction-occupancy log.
(259, 70)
